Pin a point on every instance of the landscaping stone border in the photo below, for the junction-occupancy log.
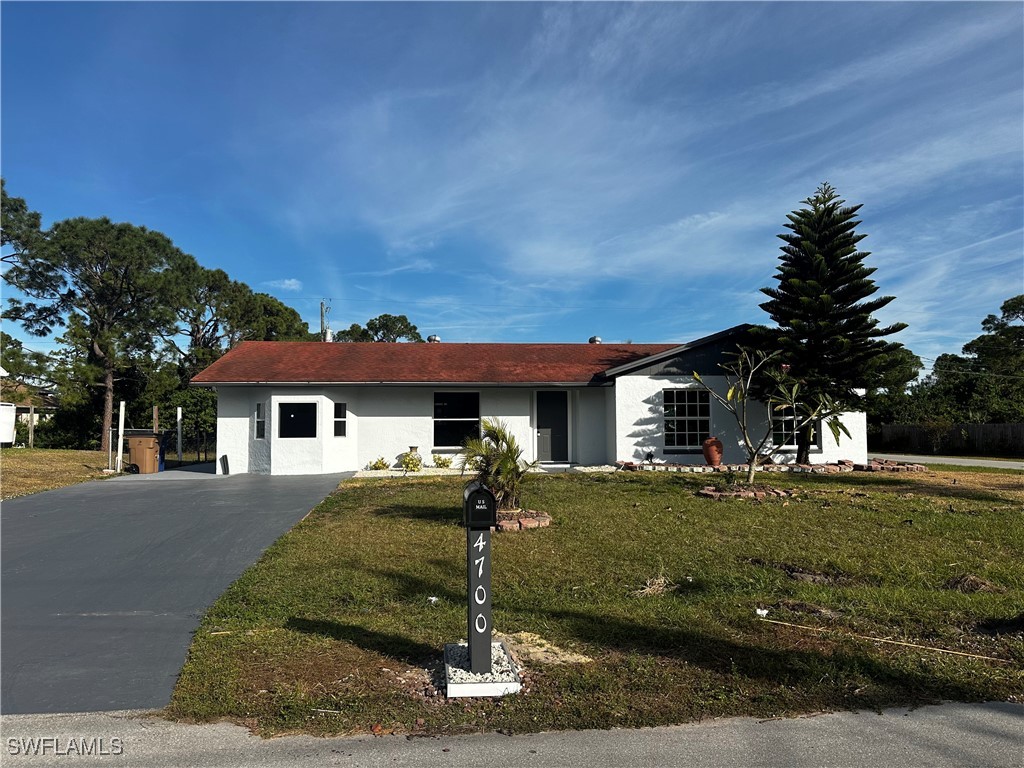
(531, 519)
(710, 492)
(888, 465)
(843, 465)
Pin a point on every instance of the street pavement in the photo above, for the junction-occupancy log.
(103, 583)
(987, 735)
(958, 461)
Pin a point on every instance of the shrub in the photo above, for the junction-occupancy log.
(497, 460)
(441, 462)
(411, 462)
(380, 464)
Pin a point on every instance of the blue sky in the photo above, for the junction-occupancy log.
(534, 172)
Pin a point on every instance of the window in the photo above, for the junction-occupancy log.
(261, 422)
(687, 418)
(340, 416)
(297, 420)
(456, 417)
(784, 428)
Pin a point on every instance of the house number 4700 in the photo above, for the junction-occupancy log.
(480, 593)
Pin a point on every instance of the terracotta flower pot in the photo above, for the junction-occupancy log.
(712, 451)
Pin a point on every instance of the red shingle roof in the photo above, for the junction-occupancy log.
(287, 362)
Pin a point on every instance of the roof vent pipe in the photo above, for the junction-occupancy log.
(434, 339)
(595, 340)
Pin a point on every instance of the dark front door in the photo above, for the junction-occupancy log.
(552, 426)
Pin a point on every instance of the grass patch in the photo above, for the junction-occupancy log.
(31, 470)
(339, 628)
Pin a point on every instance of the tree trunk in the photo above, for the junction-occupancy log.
(108, 405)
(803, 445)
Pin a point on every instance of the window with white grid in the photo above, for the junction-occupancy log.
(687, 418)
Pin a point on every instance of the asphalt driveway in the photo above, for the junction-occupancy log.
(103, 583)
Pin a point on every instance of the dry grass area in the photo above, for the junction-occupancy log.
(31, 470)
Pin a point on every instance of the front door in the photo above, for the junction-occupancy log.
(552, 426)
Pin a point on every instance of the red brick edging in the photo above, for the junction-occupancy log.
(843, 465)
(532, 519)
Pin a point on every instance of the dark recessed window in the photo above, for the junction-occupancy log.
(340, 418)
(456, 417)
(296, 420)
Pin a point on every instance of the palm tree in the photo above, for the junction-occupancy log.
(498, 462)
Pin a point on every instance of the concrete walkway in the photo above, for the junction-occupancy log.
(959, 461)
(103, 583)
(961, 735)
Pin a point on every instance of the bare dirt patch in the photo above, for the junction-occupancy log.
(808, 609)
(798, 573)
(528, 647)
(969, 584)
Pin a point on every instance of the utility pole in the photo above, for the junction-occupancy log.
(325, 325)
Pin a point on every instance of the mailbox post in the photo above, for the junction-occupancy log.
(480, 514)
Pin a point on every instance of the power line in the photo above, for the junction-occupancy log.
(967, 372)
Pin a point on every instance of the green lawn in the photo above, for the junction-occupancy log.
(333, 632)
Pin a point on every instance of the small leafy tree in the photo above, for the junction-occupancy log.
(497, 459)
(382, 328)
(750, 374)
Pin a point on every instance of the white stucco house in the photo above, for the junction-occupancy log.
(313, 407)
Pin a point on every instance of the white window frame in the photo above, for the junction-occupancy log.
(787, 416)
(434, 420)
(674, 398)
(342, 420)
(261, 421)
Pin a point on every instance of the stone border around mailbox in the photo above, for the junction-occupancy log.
(530, 519)
(461, 682)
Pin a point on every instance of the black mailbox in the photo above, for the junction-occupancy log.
(479, 507)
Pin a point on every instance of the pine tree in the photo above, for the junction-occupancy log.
(826, 333)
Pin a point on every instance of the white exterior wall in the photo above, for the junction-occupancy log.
(324, 453)
(233, 429)
(640, 420)
(259, 450)
(625, 422)
(386, 422)
(390, 421)
(8, 411)
(393, 419)
(517, 408)
(236, 432)
(855, 447)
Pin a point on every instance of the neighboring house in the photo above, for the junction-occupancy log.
(19, 402)
(31, 404)
(314, 407)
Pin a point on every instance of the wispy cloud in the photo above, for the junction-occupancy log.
(417, 265)
(632, 151)
(287, 284)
